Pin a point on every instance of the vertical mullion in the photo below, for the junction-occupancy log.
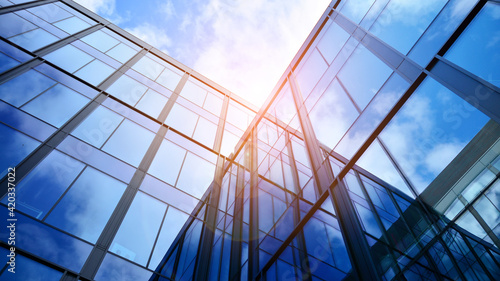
(253, 239)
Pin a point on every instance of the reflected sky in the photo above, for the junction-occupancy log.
(15, 146)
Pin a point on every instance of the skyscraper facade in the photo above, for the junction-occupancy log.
(375, 157)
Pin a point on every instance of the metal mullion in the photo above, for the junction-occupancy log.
(162, 117)
(478, 259)
(220, 126)
(235, 255)
(24, 6)
(253, 239)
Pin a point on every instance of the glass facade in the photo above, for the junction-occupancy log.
(376, 157)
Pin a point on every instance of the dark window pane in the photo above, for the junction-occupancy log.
(24, 87)
(43, 186)
(6, 62)
(116, 269)
(27, 269)
(86, 207)
(57, 105)
(478, 48)
(14, 147)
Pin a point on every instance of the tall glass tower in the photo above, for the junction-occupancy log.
(375, 157)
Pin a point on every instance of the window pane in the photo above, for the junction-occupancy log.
(24, 87)
(430, 130)
(182, 119)
(72, 25)
(147, 213)
(148, 67)
(478, 48)
(121, 53)
(196, 183)
(43, 186)
(86, 207)
(169, 79)
(27, 269)
(333, 40)
(100, 40)
(56, 105)
(6, 62)
(98, 126)
(402, 22)
(167, 162)
(205, 132)
(34, 39)
(332, 115)
(13, 25)
(50, 13)
(69, 58)
(152, 103)
(95, 72)
(310, 73)
(15, 146)
(213, 104)
(363, 75)
(127, 89)
(194, 93)
(129, 142)
(356, 9)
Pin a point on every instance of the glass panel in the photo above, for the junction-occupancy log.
(356, 9)
(98, 126)
(148, 67)
(95, 72)
(24, 87)
(86, 207)
(15, 146)
(69, 58)
(15, 24)
(332, 41)
(34, 39)
(43, 186)
(147, 213)
(7, 62)
(114, 268)
(152, 103)
(205, 132)
(100, 40)
(121, 53)
(182, 119)
(27, 269)
(129, 142)
(229, 142)
(50, 12)
(167, 162)
(332, 115)
(310, 73)
(169, 79)
(363, 75)
(429, 131)
(57, 105)
(127, 89)
(213, 103)
(194, 93)
(172, 224)
(478, 48)
(196, 183)
(72, 25)
(402, 22)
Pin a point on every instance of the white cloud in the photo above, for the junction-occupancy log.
(152, 35)
(250, 43)
(106, 7)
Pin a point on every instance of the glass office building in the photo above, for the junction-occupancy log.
(375, 157)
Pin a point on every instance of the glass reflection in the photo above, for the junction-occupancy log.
(15, 146)
(21, 89)
(69, 58)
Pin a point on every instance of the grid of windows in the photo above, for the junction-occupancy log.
(377, 157)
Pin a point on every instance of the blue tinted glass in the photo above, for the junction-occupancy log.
(101, 41)
(195, 183)
(34, 39)
(126, 243)
(56, 105)
(24, 87)
(121, 53)
(152, 103)
(86, 207)
(311, 72)
(117, 269)
(167, 162)
(95, 72)
(6, 62)
(14, 52)
(478, 48)
(430, 130)
(402, 22)
(356, 9)
(27, 269)
(47, 243)
(332, 41)
(363, 75)
(13, 24)
(172, 224)
(14, 147)
(332, 115)
(24, 122)
(129, 142)
(41, 188)
(69, 58)
(127, 89)
(72, 25)
(50, 12)
(97, 128)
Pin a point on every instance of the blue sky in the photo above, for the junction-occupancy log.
(245, 46)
